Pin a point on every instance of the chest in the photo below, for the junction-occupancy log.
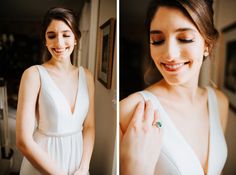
(192, 123)
(67, 86)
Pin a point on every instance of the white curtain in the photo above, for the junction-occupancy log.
(84, 40)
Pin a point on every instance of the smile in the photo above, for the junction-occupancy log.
(60, 50)
(174, 67)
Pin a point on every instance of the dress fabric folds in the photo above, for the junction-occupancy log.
(59, 129)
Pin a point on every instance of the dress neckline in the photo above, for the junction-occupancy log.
(209, 103)
(72, 110)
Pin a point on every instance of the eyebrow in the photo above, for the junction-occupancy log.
(64, 31)
(177, 30)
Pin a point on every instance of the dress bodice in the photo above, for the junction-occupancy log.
(177, 156)
(55, 115)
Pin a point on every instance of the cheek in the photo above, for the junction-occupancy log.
(193, 53)
(155, 53)
(47, 42)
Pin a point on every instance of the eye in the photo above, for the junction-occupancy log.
(66, 35)
(157, 39)
(157, 42)
(51, 36)
(186, 40)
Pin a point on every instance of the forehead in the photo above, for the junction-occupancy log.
(169, 18)
(57, 26)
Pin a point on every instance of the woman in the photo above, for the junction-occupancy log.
(60, 97)
(174, 126)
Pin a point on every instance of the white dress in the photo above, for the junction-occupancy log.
(177, 157)
(59, 130)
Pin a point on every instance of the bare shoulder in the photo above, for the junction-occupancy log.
(223, 105)
(89, 75)
(30, 75)
(29, 87)
(127, 107)
(221, 97)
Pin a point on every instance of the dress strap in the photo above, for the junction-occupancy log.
(150, 96)
(83, 75)
(83, 85)
(156, 104)
(42, 72)
(213, 105)
(217, 147)
(147, 96)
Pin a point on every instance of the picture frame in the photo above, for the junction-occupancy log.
(106, 52)
(228, 83)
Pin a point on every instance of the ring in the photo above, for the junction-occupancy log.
(157, 124)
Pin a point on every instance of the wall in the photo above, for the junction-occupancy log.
(225, 15)
(104, 149)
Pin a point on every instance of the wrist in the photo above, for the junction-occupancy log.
(84, 168)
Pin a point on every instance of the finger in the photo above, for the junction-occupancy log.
(149, 113)
(156, 116)
(138, 113)
(156, 121)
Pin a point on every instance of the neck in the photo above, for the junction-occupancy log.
(186, 92)
(64, 64)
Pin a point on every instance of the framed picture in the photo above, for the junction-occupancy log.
(229, 55)
(105, 52)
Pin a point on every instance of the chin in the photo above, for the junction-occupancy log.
(176, 81)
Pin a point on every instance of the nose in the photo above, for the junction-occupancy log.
(59, 41)
(171, 50)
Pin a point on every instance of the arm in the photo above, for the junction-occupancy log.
(25, 122)
(223, 105)
(88, 129)
(127, 108)
(139, 152)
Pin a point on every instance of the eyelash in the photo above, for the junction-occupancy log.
(185, 41)
(52, 37)
(157, 42)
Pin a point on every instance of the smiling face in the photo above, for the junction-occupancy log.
(60, 40)
(176, 46)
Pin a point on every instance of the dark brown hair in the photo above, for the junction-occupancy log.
(200, 12)
(62, 14)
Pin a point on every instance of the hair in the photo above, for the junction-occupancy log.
(200, 12)
(61, 14)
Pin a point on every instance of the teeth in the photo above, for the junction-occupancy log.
(174, 66)
(59, 50)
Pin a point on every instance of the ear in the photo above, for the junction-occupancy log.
(206, 52)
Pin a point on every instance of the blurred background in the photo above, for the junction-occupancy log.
(21, 46)
(216, 71)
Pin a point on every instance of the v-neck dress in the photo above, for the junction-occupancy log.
(177, 156)
(59, 130)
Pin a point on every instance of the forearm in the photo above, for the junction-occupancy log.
(88, 144)
(39, 158)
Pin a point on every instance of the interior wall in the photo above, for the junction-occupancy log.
(105, 111)
(225, 15)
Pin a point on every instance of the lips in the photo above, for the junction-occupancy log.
(173, 67)
(60, 50)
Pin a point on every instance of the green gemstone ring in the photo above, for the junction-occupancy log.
(158, 124)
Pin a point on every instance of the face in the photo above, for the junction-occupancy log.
(60, 40)
(176, 46)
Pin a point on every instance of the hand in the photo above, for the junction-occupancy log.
(81, 172)
(141, 144)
